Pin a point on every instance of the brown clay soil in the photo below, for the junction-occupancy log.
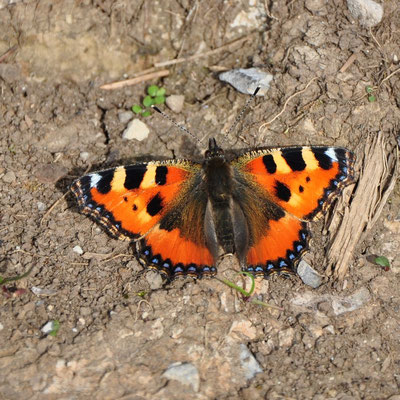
(120, 327)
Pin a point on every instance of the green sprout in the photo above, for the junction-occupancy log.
(3, 280)
(370, 92)
(55, 328)
(155, 96)
(247, 295)
(383, 262)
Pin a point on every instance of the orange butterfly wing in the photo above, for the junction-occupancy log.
(133, 202)
(301, 181)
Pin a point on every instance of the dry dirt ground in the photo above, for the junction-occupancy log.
(120, 329)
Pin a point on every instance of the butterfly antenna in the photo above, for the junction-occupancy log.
(182, 128)
(240, 116)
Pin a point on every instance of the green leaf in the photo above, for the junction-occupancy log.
(369, 89)
(371, 98)
(56, 327)
(148, 101)
(142, 293)
(146, 113)
(137, 109)
(382, 261)
(152, 90)
(160, 92)
(159, 100)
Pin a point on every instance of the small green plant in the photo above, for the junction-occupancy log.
(370, 93)
(55, 327)
(247, 295)
(3, 280)
(382, 261)
(155, 96)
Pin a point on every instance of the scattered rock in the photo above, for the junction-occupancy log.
(41, 206)
(308, 275)
(125, 116)
(78, 250)
(136, 129)
(175, 102)
(247, 80)
(42, 292)
(286, 337)
(84, 155)
(346, 304)
(50, 173)
(248, 363)
(184, 373)
(154, 279)
(48, 327)
(243, 329)
(9, 177)
(367, 12)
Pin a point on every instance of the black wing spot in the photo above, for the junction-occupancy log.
(155, 205)
(161, 175)
(308, 179)
(134, 176)
(104, 184)
(125, 198)
(294, 159)
(301, 189)
(324, 161)
(269, 163)
(134, 207)
(282, 191)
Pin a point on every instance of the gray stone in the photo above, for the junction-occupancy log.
(125, 116)
(308, 275)
(175, 102)
(247, 80)
(248, 363)
(350, 303)
(367, 12)
(184, 373)
(136, 129)
(9, 177)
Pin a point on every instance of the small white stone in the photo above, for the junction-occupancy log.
(136, 129)
(9, 177)
(308, 275)
(41, 206)
(248, 80)
(48, 327)
(249, 364)
(367, 12)
(185, 373)
(84, 155)
(78, 250)
(1, 326)
(175, 102)
(125, 116)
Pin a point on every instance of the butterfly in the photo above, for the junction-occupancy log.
(183, 216)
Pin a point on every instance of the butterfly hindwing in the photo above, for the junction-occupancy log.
(297, 184)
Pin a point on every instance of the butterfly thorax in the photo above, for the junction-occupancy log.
(224, 225)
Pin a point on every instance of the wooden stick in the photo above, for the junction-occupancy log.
(134, 81)
(205, 54)
(8, 52)
(347, 64)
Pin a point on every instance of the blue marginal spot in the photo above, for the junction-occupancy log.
(270, 266)
(146, 252)
(299, 248)
(213, 269)
(90, 205)
(259, 268)
(166, 265)
(342, 178)
(344, 169)
(192, 269)
(205, 268)
(291, 256)
(303, 236)
(250, 269)
(335, 182)
(155, 260)
(118, 226)
(178, 269)
(282, 264)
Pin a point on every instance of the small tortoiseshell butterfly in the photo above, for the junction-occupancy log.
(183, 215)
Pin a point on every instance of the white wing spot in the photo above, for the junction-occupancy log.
(94, 180)
(331, 153)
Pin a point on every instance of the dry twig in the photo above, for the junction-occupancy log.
(135, 81)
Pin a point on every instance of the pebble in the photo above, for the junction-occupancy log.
(48, 327)
(249, 364)
(308, 275)
(9, 177)
(185, 373)
(1, 326)
(154, 279)
(247, 80)
(350, 303)
(42, 292)
(78, 250)
(41, 206)
(136, 129)
(367, 12)
(84, 155)
(175, 102)
(125, 116)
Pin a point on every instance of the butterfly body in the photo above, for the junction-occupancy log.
(183, 216)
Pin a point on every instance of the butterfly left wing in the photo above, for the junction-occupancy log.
(298, 183)
(149, 204)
